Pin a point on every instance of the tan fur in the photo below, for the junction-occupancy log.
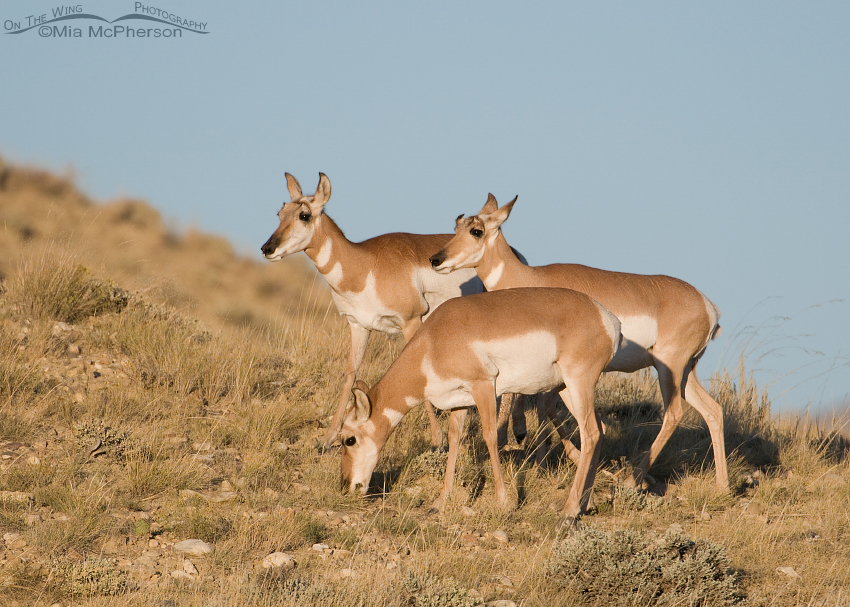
(666, 322)
(459, 357)
(381, 284)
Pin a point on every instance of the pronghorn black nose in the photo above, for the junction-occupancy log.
(268, 248)
(437, 259)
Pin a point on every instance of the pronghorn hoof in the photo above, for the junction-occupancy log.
(569, 524)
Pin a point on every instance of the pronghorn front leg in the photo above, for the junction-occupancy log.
(484, 395)
(359, 341)
(408, 331)
(456, 422)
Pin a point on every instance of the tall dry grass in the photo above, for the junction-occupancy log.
(137, 418)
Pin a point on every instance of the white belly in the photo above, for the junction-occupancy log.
(640, 334)
(523, 364)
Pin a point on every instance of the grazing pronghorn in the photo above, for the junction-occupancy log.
(471, 350)
(381, 284)
(666, 323)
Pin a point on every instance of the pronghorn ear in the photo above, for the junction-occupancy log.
(497, 217)
(322, 195)
(489, 206)
(294, 188)
(361, 408)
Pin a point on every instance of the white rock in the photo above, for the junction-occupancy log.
(181, 575)
(789, 571)
(189, 567)
(193, 547)
(278, 559)
(320, 547)
(467, 511)
(500, 536)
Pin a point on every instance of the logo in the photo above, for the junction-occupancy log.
(70, 22)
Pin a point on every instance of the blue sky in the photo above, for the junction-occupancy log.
(708, 141)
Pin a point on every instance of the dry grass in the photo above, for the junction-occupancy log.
(126, 426)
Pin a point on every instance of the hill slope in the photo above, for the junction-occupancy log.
(146, 460)
(127, 240)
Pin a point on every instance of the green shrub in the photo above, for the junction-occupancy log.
(625, 567)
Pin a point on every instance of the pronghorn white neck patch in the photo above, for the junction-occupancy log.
(492, 279)
(324, 254)
(392, 416)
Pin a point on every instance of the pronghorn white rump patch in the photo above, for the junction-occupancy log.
(524, 364)
(639, 335)
(611, 324)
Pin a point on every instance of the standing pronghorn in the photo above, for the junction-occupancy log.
(473, 349)
(666, 323)
(381, 284)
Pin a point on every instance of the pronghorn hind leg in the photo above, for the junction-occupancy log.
(505, 404)
(518, 417)
(359, 341)
(712, 413)
(670, 382)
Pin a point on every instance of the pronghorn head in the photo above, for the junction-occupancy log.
(359, 445)
(298, 219)
(472, 236)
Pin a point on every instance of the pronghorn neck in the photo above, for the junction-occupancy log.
(329, 249)
(401, 389)
(498, 260)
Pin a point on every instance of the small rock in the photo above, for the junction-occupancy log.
(33, 460)
(789, 571)
(505, 581)
(676, 528)
(189, 567)
(32, 519)
(181, 576)
(347, 573)
(501, 603)
(193, 547)
(226, 487)
(500, 536)
(320, 547)
(467, 511)
(753, 509)
(153, 543)
(278, 559)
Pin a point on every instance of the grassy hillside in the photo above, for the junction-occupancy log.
(150, 395)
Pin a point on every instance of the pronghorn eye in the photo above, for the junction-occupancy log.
(476, 232)
(304, 216)
(350, 441)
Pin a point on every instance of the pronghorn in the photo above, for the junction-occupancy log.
(666, 323)
(381, 284)
(471, 350)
